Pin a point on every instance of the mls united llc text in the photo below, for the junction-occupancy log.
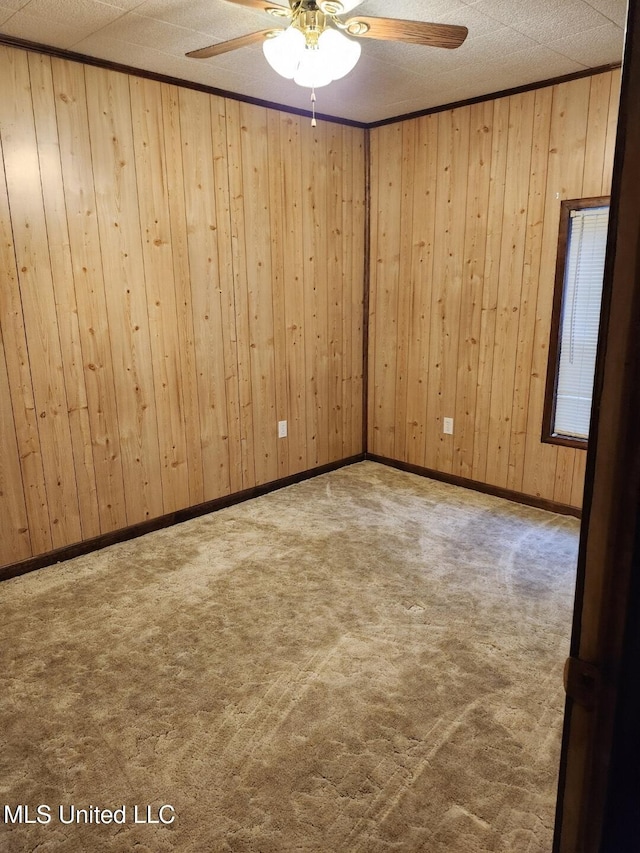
(45, 814)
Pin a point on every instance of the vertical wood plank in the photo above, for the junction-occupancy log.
(239, 266)
(577, 485)
(319, 293)
(563, 483)
(405, 287)
(479, 178)
(277, 224)
(33, 262)
(530, 284)
(64, 289)
(489, 308)
(311, 275)
(278, 248)
(335, 296)
(84, 241)
(15, 543)
(204, 271)
(20, 388)
(596, 136)
(323, 244)
(255, 184)
(227, 354)
(182, 284)
(376, 142)
(356, 247)
(519, 142)
(451, 200)
(612, 130)
(425, 156)
(293, 273)
(350, 175)
(109, 113)
(157, 256)
(441, 298)
(385, 270)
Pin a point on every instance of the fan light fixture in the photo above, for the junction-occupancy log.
(318, 47)
(310, 58)
(312, 51)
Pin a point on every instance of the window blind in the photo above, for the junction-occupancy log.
(582, 297)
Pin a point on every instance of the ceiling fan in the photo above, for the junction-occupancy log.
(318, 46)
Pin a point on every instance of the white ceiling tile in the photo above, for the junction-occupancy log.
(504, 11)
(412, 10)
(85, 13)
(551, 20)
(207, 16)
(541, 62)
(615, 10)
(5, 14)
(491, 47)
(44, 30)
(138, 30)
(146, 58)
(601, 46)
(472, 19)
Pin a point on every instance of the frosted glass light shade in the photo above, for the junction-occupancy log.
(283, 51)
(338, 52)
(313, 71)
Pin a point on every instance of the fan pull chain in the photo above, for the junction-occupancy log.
(313, 107)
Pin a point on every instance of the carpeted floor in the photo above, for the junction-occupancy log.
(365, 662)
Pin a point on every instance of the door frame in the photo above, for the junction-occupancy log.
(597, 810)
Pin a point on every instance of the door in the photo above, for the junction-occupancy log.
(600, 731)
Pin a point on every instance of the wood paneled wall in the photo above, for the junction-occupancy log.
(182, 271)
(179, 273)
(464, 228)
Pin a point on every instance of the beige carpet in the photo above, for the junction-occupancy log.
(365, 662)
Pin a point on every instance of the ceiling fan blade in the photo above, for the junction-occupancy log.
(414, 32)
(265, 6)
(232, 44)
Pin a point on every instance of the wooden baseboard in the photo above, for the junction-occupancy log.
(122, 535)
(497, 491)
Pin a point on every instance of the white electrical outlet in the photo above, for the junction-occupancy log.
(282, 429)
(447, 426)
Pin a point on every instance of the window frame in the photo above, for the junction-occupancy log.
(553, 363)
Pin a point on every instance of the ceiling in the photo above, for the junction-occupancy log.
(511, 43)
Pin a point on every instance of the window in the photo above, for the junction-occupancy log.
(576, 319)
